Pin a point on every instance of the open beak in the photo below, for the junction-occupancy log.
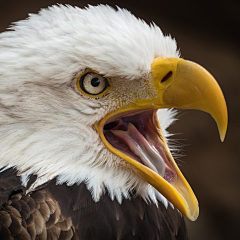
(134, 132)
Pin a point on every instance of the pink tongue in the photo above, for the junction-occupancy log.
(141, 148)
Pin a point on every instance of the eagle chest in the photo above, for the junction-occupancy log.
(68, 212)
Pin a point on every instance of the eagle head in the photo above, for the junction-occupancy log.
(86, 95)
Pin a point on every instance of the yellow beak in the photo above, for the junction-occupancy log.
(190, 87)
(179, 84)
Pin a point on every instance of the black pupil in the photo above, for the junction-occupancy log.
(95, 82)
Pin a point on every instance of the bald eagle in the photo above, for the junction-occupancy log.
(86, 97)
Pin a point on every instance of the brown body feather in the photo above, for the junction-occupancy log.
(68, 212)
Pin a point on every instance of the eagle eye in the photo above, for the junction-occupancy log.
(92, 84)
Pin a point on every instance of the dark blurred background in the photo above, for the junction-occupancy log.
(207, 33)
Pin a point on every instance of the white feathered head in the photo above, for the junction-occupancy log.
(79, 93)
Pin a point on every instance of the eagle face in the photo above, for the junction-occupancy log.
(86, 96)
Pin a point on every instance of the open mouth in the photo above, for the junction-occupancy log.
(138, 135)
(135, 135)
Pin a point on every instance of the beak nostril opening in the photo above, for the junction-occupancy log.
(169, 74)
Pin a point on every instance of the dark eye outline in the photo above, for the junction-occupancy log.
(82, 89)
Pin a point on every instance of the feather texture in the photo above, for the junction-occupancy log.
(46, 124)
(63, 212)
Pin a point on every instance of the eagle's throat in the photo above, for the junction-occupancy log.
(137, 136)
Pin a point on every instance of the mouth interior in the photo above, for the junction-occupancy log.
(137, 135)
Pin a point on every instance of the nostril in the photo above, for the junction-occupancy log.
(169, 74)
